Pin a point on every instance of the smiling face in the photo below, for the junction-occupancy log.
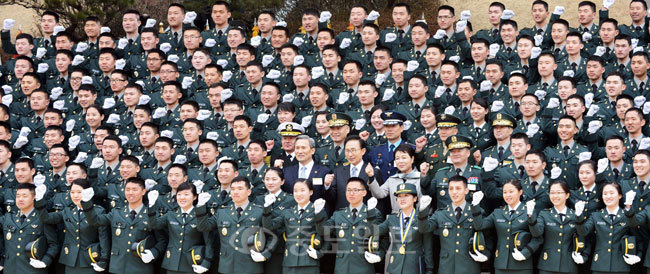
(611, 195)
(185, 199)
(272, 181)
(558, 195)
(301, 193)
(134, 192)
(586, 175)
(511, 195)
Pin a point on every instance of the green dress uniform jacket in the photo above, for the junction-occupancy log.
(506, 225)
(608, 256)
(18, 234)
(558, 234)
(282, 201)
(555, 158)
(125, 232)
(233, 231)
(79, 234)
(640, 219)
(439, 186)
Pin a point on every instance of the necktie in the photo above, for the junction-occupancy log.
(613, 104)
(416, 108)
(354, 214)
(223, 195)
(557, 52)
(130, 41)
(184, 217)
(254, 92)
(540, 31)
(642, 185)
(594, 87)
(303, 172)
(391, 148)
(240, 149)
(500, 153)
(458, 171)
(22, 218)
(109, 170)
(509, 50)
(239, 210)
(129, 114)
(638, 29)
(585, 30)
(47, 43)
(160, 169)
(220, 33)
(417, 54)
(406, 220)
(534, 186)
(478, 70)
(206, 170)
(133, 213)
(574, 67)
(92, 45)
(478, 131)
(492, 91)
(611, 217)
(587, 193)
(331, 76)
(495, 32)
(561, 217)
(301, 96)
(544, 86)
(635, 145)
(366, 114)
(254, 173)
(369, 55)
(642, 86)
(459, 213)
(512, 212)
(607, 50)
(176, 36)
(300, 212)
(400, 34)
(428, 136)
(448, 92)
(621, 67)
(527, 123)
(311, 39)
(399, 91)
(56, 177)
(525, 69)
(615, 170)
(268, 111)
(354, 171)
(516, 105)
(433, 75)
(566, 151)
(190, 150)
(522, 170)
(338, 150)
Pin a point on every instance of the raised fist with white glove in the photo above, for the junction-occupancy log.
(530, 207)
(8, 23)
(477, 197)
(319, 204)
(269, 199)
(425, 201)
(87, 194)
(152, 196)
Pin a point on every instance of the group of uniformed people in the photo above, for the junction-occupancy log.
(196, 145)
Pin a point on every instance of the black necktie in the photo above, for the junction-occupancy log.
(509, 50)
(594, 88)
(47, 43)
(176, 36)
(369, 55)
(638, 29)
(406, 220)
(223, 195)
(540, 31)
(160, 169)
(448, 92)
(611, 217)
(574, 67)
(300, 212)
(254, 92)
(516, 105)
(534, 187)
(416, 108)
(585, 30)
(522, 170)
(331, 76)
(478, 131)
(400, 34)
(607, 50)
(642, 186)
(428, 136)
(512, 212)
(338, 150)
(433, 75)
(254, 173)
(206, 170)
(458, 171)
(399, 91)
(184, 217)
(587, 193)
(615, 170)
(557, 52)
(354, 214)
(566, 151)
(417, 54)
(133, 213)
(562, 217)
(109, 170)
(525, 69)
(621, 67)
(56, 177)
(220, 33)
(459, 213)
(130, 41)
(478, 70)
(239, 210)
(495, 32)
(190, 150)
(22, 218)
(545, 86)
(240, 149)
(301, 96)
(635, 145)
(642, 86)
(268, 111)
(311, 39)
(501, 149)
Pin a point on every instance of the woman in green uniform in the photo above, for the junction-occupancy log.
(79, 235)
(589, 192)
(301, 252)
(557, 227)
(481, 134)
(411, 249)
(513, 254)
(183, 233)
(611, 229)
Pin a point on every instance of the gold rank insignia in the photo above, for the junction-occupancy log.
(118, 231)
(224, 231)
(341, 233)
(66, 250)
(445, 232)
(545, 256)
(8, 236)
(454, 139)
(169, 254)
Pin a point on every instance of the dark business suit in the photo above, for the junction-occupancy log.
(336, 192)
(291, 174)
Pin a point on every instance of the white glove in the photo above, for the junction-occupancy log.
(43, 67)
(485, 85)
(535, 52)
(600, 50)
(516, 254)
(479, 257)
(58, 29)
(21, 141)
(124, 139)
(257, 257)
(113, 118)
(589, 98)
(203, 114)
(262, 118)
(465, 15)
(81, 157)
(608, 3)
(40, 192)
(645, 143)
(225, 94)
(56, 92)
(40, 52)
(274, 74)
(390, 37)
(637, 49)
(149, 183)
(538, 39)
(494, 49)
(7, 89)
(496, 106)
(439, 91)
(461, 25)
(8, 23)
(288, 98)
(97, 268)
(150, 23)
(198, 269)
(593, 109)
(267, 60)
(568, 73)
(586, 37)
(97, 162)
(318, 205)
(39, 179)
(579, 207)
(412, 65)
(144, 99)
(173, 58)
(425, 201)
(281, 24)
(87, 194)
(146, 256)
(152, 196)
(477, 197)
(380, 79)
(490, 164)
(312, 253)
(602, 165)
(306, 121)
(108, 103)
(634, 42)
(450, 110)
(180, 159)
(639, 101)
(359, 123)
(187, 82)
(121, 44)
(73, 142)
(210, 43)
(24, 131)
(212, 135)
(439, 34)
(530, 207)
(559, 10)
(373, 15)
(407, 124)
(165, 47)
(324, 16)
(189, 17)
(532, 130)
(104, 30)
(317, 72)
(298, 60)
(7, 99)
(204, 197)
(388, 93)
(372, 258)
(577, 258)
(552, 103)
(222, 63)
(631, 259)
(594, 126)
(583, 156)
(269, 199)
(372, 203)
(256, 41)
(298, 41)
(37, 263)
(345, 43)
(507, 14)
(69, 125)
(555, 172)
(629, 197)
(159, 112)
(343, 97)
(77, 60)
(120, 63)
(226, 77)
(199, 185)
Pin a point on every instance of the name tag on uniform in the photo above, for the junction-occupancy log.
(471, 187)
(550, 224)
(173, 223)
(318, 181)
(501, 220)
(600, 223)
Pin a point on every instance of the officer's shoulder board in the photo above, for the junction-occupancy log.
(444, 168)
(477, 167)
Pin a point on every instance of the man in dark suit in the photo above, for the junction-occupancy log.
(335, 184)
(306, 168)
(286, 156)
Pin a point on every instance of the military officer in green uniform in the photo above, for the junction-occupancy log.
(255, 171)
(206, 172)
(80, 236)
(503, 125)
(436, 155)
(242, 128)
(566, 155)
(333, 155)
(227, 170)
(129, 228)
(164, 149)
